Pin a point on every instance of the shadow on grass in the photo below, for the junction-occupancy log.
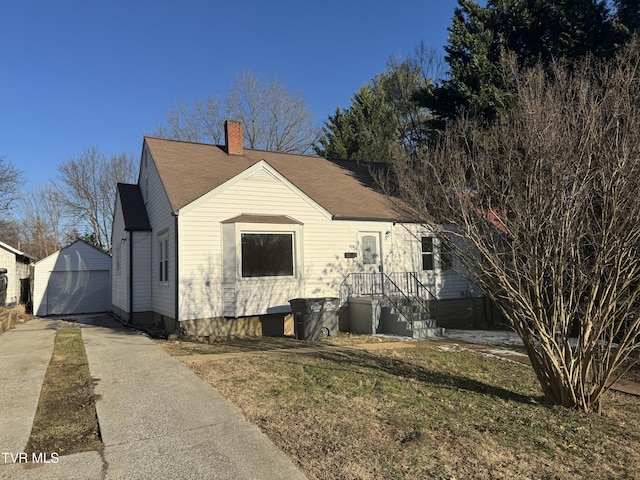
(191, 346)
(400, 368)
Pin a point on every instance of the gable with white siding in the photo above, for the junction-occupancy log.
(320, 244)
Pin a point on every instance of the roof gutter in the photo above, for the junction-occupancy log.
(177, 290)
(364, 219)
(130, 276)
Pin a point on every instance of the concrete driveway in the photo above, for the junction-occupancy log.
(157, 419)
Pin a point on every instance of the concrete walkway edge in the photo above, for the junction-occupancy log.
(157, 418)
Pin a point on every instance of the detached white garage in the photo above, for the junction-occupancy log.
(76, 279)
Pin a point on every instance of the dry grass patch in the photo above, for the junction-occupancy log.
(214, 346)
(204, 346)
(423, 413)
(66, 420)
(12, 316)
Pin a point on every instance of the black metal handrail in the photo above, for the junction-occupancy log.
(394, 288)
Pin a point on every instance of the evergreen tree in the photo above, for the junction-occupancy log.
(628, 14)
(337, 140)
(383, 116)
(366, 132)
(533, 30)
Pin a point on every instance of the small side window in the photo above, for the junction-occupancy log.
(427, 253)
(163, 257)
(435, 251)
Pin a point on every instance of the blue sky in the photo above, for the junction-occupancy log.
(81, 73)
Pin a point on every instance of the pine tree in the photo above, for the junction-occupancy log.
(628, 14)
(383, 116)
(532, 30)
(366, 132)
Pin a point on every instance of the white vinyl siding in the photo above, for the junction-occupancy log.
(8, 261)
(321, 260)
(210, 282)
(409, 256)
(120, 279)
(142, 281)
(161, 220)
(134, 247)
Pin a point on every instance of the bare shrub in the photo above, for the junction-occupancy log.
(547, 203)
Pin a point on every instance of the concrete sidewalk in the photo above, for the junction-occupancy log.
(157, 419)
(25, 352)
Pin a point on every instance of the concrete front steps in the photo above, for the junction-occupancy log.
(396, 322)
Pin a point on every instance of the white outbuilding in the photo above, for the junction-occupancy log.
(73, 280)
(17, 265)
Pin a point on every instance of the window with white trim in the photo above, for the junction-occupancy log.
(267, 254)
(427, 253)
(163, 257)
(435, 252)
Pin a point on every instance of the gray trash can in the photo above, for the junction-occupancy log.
(315, 317)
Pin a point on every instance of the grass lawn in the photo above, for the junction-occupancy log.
(424, 412)
(66, 420)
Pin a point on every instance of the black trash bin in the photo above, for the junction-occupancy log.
(315, 317)
(3, 286)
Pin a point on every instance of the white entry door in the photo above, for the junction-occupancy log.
(370, 255)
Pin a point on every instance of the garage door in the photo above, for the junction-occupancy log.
(73, 292)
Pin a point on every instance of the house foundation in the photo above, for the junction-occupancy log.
(270, 325)
(364, 314)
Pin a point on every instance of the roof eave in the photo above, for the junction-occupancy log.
(364, 219)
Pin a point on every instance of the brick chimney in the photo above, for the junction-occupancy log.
(233, 137)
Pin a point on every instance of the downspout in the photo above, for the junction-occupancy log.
(130, 276)
(177, 290)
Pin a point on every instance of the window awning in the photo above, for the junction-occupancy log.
(259, 218)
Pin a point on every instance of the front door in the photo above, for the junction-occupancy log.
(370, 256)
(371, 260)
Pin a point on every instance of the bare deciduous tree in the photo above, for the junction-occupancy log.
(10, 233)
(273, 118)
(88, 186)
(10, 183)
(43, 220)
(201, 123)
(547, 203)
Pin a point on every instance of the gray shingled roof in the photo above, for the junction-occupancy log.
(344, 189)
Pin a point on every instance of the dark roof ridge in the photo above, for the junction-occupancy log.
(257, 150)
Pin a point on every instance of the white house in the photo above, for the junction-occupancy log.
(17, 265)
(73, 280)
(217, 239)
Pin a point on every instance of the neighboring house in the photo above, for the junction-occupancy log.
(18, 278)
(75, 279)
(217, 239)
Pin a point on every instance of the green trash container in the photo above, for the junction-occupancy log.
(315, 318)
